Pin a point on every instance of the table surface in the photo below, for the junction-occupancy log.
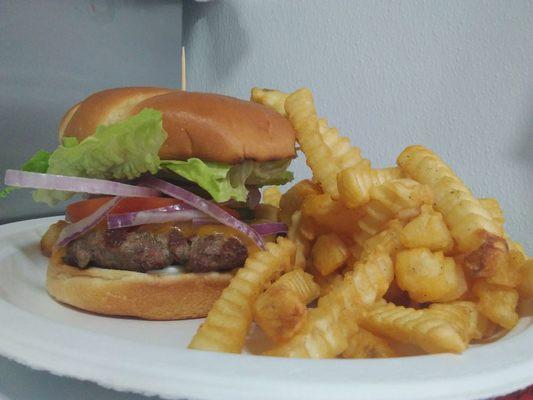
(18, 382)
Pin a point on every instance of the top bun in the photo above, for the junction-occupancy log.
(203, 125)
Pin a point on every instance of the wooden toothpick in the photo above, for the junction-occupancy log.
(183, 70)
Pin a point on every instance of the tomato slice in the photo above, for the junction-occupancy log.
(84, 208)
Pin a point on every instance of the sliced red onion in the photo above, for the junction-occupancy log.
(254, 197)
(270, 228)
(204, 206)
(75, 184)
(205, 221)
(177, 212)
(75, 230)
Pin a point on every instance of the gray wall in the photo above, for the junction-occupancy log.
(456, 76)
(54, 53)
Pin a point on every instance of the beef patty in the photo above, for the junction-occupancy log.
(141, 250)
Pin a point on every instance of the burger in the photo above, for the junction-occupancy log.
(169, 210)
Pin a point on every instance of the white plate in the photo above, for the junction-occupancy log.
(151, 357)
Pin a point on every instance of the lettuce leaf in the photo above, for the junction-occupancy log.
(225, 182)
(124, 150)
(210, 176)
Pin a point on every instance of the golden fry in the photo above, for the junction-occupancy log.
(229, 320)
(463, 316)
(495, 211)
(420, 327)
(345, 155)
(271, 98)
(364, 344)
(487, 259)
(525, 287)
(291, 201)
(354, 184)
(387, 241)
(301, 112)
(272, 196)
(300, 283)
(329, 253)
(331, 215)
(324, 335)
(325, 332)
(463, 213)
(508, 271)
(497, 303)
(280, 311)
(302, 244)
(427, 230)
(399, 198)
(428, 276)
(49, 239)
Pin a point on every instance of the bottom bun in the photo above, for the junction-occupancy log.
(134, 294)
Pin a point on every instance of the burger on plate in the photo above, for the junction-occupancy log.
(169, 183)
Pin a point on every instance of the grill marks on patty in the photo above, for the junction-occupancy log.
(142, 250)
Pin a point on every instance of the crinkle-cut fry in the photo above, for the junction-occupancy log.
(387, 241)
(525, 287)
(331, 215)
(398, 198)
(380, 176)
(302, 244)
(463, 213)
(272, 196)
(427, 230)
(291, 201)
(463, 316)
(229, 320)
(346, 155)
(364, 344)
(491, 257)
(319, 157)
(498, 303)
(280, 311)
(324, 335)
(354, 184)
(429, 276)
(271, 98)
(365, 284)
(329, 253)
(515, 246)
(325, 331)
(495, 211)
(432, 333)
(301, 283)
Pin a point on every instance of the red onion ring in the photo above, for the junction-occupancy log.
(75, 184)
(75, 230)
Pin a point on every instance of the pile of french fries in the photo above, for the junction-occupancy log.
(377, 262)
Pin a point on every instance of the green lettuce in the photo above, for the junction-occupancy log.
(124, 150)
(224, 181)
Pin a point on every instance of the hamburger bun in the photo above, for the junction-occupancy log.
(134, 294)
(208, 126)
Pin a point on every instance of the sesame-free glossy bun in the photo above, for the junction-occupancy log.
(134, 294)
(208, 126)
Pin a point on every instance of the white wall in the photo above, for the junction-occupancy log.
(456, 76)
